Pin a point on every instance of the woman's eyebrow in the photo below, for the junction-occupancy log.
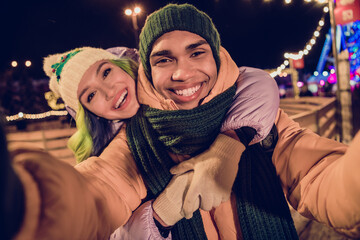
(82, 92)
(99, 67)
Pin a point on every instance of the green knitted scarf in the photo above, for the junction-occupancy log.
(152, 133)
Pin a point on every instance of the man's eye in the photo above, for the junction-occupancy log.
(106, 72)
(195, 54)
(90, 97)
(163, 60)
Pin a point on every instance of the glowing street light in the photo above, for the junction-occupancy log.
(137, 10)
(14, 63)
(133, 13)
(128, 12)
(27, 63)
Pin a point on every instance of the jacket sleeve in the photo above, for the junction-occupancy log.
(86, 202)
(114, 181)
(58, 203)
(320, 176)
(141, 225)
(125, 52)
(255, 103)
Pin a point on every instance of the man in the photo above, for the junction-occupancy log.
(182, 67)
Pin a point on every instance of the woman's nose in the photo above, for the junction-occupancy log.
(109, 91)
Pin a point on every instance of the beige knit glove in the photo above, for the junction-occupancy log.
(215, 171)
(168, 205)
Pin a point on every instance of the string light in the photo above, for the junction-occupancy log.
(296, 56)
(50, 113)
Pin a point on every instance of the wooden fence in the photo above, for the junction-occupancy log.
(53, 141)
(315, 113)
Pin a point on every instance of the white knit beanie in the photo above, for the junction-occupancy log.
(66, 70)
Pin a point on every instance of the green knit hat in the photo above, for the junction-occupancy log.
(184, 17)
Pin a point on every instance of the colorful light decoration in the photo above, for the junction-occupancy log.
(332, 78)
(300, 84)
(352, 38)
(308, 46)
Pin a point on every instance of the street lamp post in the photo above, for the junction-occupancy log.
(133, 13)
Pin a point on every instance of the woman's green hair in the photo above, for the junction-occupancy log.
(81, 142)
(94, 133)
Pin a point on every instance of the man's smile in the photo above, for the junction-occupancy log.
(187, 92)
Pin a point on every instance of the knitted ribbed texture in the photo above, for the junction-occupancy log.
(150, 147)
(182, 132)
(67, 69)
(261, 204)
(184, 17)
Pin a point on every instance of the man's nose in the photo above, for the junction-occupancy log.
(184, 71)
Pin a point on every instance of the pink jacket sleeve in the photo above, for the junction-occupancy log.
(255, 104)
(125, 52)
(141, 225)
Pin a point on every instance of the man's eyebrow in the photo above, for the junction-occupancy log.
(189, 47)
(195, 45)
(160, 53)
(99, 67)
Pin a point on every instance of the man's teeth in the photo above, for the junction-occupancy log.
(121, 99)
(187, 92)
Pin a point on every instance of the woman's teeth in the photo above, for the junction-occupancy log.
(188, 92)
(121, 99)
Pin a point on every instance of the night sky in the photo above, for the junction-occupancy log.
(256, 33)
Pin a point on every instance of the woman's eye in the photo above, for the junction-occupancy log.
(90, 97)
(106, 72)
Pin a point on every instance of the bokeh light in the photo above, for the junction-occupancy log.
(14, 63)
(27, 63)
